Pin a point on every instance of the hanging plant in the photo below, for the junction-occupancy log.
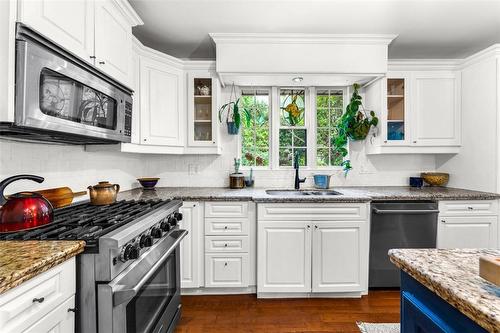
(354, 124)
(232, 113)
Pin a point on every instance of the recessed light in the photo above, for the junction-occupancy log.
(297, 79)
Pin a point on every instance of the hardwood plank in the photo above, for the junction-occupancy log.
(247, 314)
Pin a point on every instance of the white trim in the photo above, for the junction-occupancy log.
(291, 38)
(492, 51)
(394, 65)
(128, 12)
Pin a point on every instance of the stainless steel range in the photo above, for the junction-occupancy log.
(128, 277)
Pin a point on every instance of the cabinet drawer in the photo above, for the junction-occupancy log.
(476, 207)
(18, 307)
(58, 320)
(226, 209)
(226, 244)
(312, 212)
(226, 226)
(226, 270)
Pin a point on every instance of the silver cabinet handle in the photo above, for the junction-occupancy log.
(38, 300)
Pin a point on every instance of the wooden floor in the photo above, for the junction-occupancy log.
(246, 313)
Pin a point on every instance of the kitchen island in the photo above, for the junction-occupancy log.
(441, 291)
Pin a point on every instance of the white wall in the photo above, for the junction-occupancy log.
(475, 167)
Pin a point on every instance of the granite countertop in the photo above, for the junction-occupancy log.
(454, 276)
(23, 260)
(348, 194)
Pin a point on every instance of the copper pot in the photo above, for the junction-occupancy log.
(103, 193)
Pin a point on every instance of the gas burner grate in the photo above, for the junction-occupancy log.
(87, 222)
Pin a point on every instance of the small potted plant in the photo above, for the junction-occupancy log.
(354, 125)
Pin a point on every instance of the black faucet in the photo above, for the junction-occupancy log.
(296, 167)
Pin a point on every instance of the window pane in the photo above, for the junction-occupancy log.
(292, 106)
(286, 157)
(285, 137)
(255, 129)
(329, 109)
(299, 138)
(302, 153)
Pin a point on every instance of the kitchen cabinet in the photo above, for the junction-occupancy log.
(312, 248)
(41, 304)
(229, 244)
(161, 101)
(337, 244)
(97, 31)
(284, 256)
(468, 224)
(113, 41)
(68, 23)
(191, 245)
(419, 112)
(202, 119)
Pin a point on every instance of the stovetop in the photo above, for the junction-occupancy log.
(87, 222)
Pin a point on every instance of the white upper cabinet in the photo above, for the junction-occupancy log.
(436, 109)
(97, 31)
(161, 101)
(419, 112)
(67, 23)
(113, 41)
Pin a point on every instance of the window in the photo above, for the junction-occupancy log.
(292, 129)
(329, 108)
(255, 130)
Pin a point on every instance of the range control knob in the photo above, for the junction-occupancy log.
(156, 232)
(129, 252)
(172, 221)
(145, 241)
(178, 216)
(164, 225)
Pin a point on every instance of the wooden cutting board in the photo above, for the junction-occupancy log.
(489, 269)
(60, 196)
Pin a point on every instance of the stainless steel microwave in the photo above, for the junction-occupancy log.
(61, 98)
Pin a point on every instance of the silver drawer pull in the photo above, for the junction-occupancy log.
(38, 300)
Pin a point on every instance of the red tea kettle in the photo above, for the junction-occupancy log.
(23, 210)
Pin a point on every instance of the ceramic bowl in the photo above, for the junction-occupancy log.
(435, 178)
(148, 183)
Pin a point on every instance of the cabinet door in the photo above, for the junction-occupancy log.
(68, 23)
(396, 124)
(190, 245)
(202, 109)
(467, 232)
(161, 103)
(113, 41)
(226, 270)
(284, 256)
(337, 249)
(58, 320)
(435, 109)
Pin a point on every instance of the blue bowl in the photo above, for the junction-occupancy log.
(148, 183)
(322, 181)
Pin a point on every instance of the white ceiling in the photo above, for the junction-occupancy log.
(426, 28)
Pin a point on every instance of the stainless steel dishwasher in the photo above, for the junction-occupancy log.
(398, 224)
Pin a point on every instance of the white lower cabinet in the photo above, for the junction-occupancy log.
(190, 245)
(284, 257)
(45, 303)
(226, 270)
(326, 254)
(468, 224)
(337, 256)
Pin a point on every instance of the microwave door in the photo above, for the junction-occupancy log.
(55, 94)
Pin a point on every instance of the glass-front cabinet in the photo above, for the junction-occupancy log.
(202, 109)
(396, 124)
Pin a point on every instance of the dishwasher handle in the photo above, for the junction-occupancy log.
(405, 211)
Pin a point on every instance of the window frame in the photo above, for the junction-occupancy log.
(270, 139)
(309, 125)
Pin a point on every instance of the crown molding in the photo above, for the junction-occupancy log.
(129, 12)
(289, 38)
(423, 64)
(489, 52)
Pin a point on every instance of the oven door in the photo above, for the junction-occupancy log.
(55, 93)
(146, 296)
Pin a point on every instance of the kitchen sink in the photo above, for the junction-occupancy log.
(303, 192)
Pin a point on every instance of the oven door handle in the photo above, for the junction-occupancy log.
(124, 294)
